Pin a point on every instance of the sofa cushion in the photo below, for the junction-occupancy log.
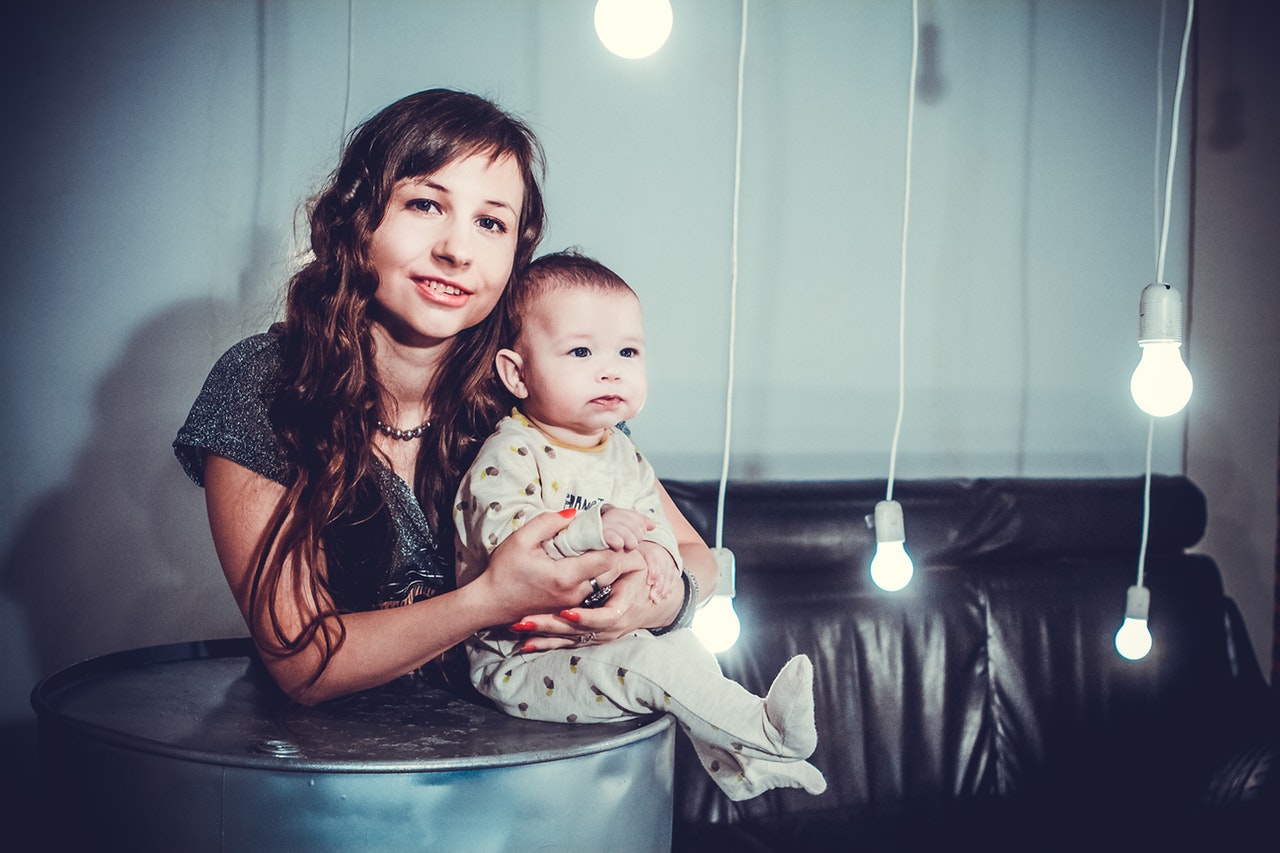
(813, 527)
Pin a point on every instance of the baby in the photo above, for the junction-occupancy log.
(577, 366)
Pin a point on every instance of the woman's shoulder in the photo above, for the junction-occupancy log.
(231, 415)
(247, 374)
(252, 356)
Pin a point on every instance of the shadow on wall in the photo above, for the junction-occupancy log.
(120, 556)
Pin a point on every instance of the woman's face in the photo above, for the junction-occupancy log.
(444, 249)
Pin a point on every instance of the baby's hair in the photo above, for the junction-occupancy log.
(565, 270)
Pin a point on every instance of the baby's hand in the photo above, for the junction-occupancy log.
(624, 529)
(663, 574)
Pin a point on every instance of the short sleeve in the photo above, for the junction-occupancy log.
(231, 416)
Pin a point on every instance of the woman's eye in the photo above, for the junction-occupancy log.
(580, 352)
(425, 205)
(488, 223)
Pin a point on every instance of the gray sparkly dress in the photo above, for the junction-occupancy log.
(384, 554)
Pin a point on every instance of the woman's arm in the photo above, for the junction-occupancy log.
(381, 645)
(698, 559)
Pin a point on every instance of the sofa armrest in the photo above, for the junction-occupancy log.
(1247, 775)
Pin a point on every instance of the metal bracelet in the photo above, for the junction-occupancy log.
(687, 606)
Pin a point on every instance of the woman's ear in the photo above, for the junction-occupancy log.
(511, 371)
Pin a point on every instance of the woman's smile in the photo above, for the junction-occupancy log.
(442, 292)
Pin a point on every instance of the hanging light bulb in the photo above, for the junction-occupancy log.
(891, 568)
(1161, 383)
(716, 624)
(633, 29)
(1133, 640)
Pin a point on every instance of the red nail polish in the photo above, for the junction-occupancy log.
(570, 615)
(528, 647)
(568, 513)
(523, 626)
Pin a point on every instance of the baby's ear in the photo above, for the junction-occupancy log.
(511, 371)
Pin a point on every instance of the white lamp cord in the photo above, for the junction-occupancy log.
(1155, 161)
(1160, 257)
(1146, 502)
(906, 219)
(1173, 140)
(346, 99)
(733, 285)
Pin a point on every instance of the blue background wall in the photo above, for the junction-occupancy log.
(157, 154)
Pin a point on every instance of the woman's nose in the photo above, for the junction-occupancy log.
(454, 246)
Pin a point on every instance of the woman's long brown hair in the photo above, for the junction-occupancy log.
(330, 395)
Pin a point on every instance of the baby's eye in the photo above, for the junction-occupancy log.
(488, 223)
(628, 352)
(580, 352)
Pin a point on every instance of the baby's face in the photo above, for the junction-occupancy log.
(583, 354)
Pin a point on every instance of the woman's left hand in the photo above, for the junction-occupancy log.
(628, 609)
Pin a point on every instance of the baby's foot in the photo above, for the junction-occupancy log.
(757, 775)
(788, 709)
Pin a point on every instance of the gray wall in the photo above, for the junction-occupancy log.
(157, 153)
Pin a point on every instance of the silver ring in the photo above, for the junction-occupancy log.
(595, 587)
(584, 639)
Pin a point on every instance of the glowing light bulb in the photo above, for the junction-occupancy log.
(891, 568)
(1133, 640)
(1161, 384)
(633, 29)
(716, 624)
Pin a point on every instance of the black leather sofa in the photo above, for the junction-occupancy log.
(985, 707)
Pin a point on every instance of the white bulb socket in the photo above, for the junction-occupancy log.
(1159, 314)
(726, 572)
(888, 522)
(1137, 603)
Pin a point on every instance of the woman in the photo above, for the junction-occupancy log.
(381, 375)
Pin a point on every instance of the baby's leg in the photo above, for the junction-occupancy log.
(748, 745)
(640, 674)
(675, 672)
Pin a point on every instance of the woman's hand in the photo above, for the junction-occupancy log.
(522, 578)
(629, 608)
